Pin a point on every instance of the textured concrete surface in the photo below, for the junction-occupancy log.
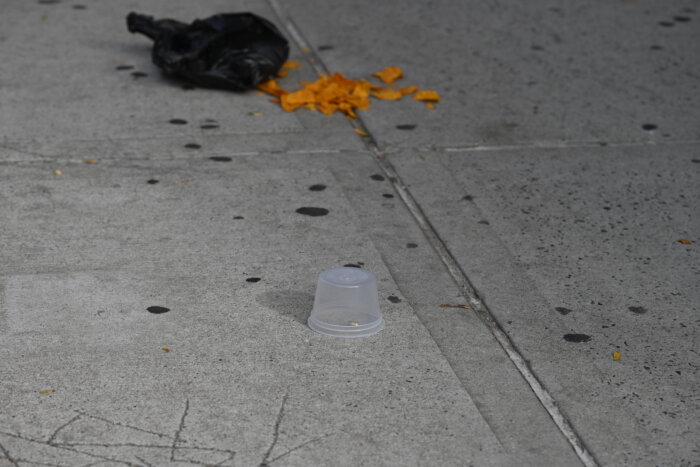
(557, 204)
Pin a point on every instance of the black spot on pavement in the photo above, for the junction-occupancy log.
(411, 245)
(666, 24)
(468, 197)
(221, 158)
(253, 279)
(577, 337)
(152, 181)
(209, 126)
(697, 161)
(681, 19)
(79, 7)
(485, 222)
(410, 126)
(238, 217)
(193, 146)
(351, 265)
(157, 309)
(48, 2)
(317, 187)
(177, 121)
(124, 67)
(377, 177)
(563, 311)
(393, 299)
(140, 74)
(311, 211)
(388, 195)
(637, 310)
(649, 127)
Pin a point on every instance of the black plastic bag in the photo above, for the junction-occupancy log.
(234, 51)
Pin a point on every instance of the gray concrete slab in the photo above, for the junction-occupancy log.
(535, 73)
(244, 381)
(585, 241)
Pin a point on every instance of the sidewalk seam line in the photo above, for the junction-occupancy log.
(451, 264)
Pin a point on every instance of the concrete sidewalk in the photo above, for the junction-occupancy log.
(547, 193)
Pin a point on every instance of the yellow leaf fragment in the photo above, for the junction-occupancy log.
(617, 356)
(387, 94)
(389, 74)
(165, 349)
(272, 87)
(409, 90)
(47, 391)
(360, 132)
(291, 65)
(427, 96)
(685, 241)
(447, 305)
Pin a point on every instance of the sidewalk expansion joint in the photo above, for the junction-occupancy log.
(448, 260)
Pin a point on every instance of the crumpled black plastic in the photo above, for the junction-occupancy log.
(234, 51)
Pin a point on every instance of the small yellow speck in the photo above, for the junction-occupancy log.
(360, 132)
(617, 356)
(430, 105)
(57, 172)
(165, 349)
(256, 114)
(90, 161)
(354, 323)
(47, 391)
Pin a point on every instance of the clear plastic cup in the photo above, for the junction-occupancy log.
(346, 304)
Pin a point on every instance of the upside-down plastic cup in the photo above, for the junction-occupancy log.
(346, 304)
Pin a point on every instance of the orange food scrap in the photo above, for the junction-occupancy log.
(291, 64)
(617, 356)
(427, 96)
(387, 94)
(338, 93)
(430, 105)
(685, 241)
(360, 132)
(282, 73)
(389, 74)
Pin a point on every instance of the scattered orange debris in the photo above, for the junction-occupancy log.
(337, 93)
(617, 356)
(389, 74)
(427, 96)
(685, 241)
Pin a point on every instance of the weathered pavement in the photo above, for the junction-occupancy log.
(548, 192)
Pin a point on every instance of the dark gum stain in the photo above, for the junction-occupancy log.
(563, 311)
(317, 187)
(177, 121)
(238, 217)
(484, 222)
(696, 161)
(311, 211)
(649, 126)
(681, 19)
(406, 127)
(139, 74)
(393, 299)
(637, 310)
(467, 197)
(124, 67)
(388, 195)
(152, 181)
(411, 245)
(157, 309)
(209, 127)
(577, 337)
(221, 158)
(377, 177)
(193, 146)
(253, 279)
(79, 7)
(666, 24)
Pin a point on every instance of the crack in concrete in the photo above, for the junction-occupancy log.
(112, 422)
(180, 427)
(147, 464)
(7, 455)
(276, 432)
(55, 433)
(298, 447)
